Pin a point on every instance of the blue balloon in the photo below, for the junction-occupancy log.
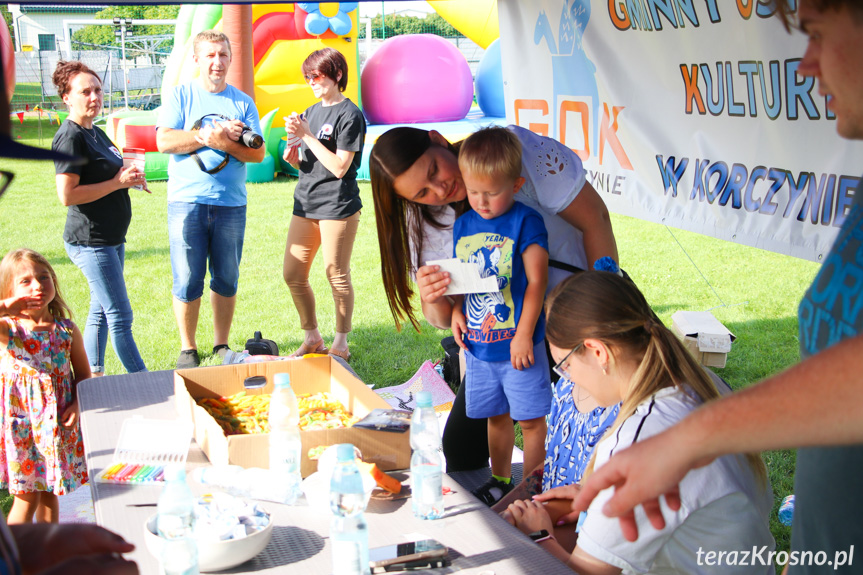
(489, 82)
(341, 24)
(316, 24)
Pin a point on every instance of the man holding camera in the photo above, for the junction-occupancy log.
(210, 129)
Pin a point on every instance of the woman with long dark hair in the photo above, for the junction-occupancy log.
(418, 192)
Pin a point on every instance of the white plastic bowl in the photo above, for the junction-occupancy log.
(216, 555)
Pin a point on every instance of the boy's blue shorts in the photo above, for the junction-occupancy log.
(496, 387)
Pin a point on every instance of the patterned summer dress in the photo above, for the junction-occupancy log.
(38, 453)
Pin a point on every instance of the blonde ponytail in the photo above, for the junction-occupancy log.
(611, 309)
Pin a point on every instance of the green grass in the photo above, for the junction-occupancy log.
(760, 289)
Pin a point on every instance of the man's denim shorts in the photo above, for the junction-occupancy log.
(198, 232)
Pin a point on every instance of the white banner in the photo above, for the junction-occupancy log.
(685, 112)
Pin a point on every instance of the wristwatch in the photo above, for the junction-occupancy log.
(540, 536)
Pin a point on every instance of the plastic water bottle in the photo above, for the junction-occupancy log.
(285, 444)
(786, 510)
(255, 483)
(349, 533)
(175, 522)
(426, 464)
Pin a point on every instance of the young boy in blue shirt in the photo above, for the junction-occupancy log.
(502, 333)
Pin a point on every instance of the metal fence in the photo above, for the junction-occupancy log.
(141, 80)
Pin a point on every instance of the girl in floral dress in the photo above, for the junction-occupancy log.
(42, 359)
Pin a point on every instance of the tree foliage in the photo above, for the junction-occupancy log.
(396, 25)
(7, 16)
(100, 37)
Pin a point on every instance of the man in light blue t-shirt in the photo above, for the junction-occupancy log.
(201, 125)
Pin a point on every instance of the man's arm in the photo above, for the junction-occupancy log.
(171, 141)
(587, 212)
(227, 137)
(219, 137)
(818, 402)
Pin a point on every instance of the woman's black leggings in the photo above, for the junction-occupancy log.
(465, 440)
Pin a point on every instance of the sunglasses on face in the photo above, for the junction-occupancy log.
(313, 76)
(563, 365)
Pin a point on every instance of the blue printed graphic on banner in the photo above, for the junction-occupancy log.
(573, 73)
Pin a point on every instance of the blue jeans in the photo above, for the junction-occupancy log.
(198, 232)
(110, 310)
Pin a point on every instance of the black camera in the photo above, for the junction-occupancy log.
(250, 139)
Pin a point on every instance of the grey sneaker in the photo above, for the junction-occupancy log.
(188, 358)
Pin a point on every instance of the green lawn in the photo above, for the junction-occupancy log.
(760, 289)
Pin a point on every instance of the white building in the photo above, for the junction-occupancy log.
(40, 27)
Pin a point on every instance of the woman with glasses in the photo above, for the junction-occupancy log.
(97, 194)
(327, 202)
(604, 335)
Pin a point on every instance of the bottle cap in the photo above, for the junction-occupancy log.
(282, 380)
(345, 452)
(175, 473)
(424, 399)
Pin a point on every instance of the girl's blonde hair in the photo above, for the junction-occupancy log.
(611, 309)
(58, 307)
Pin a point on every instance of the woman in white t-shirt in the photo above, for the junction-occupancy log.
(602, 332)
(418, 192)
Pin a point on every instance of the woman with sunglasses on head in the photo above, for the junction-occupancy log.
(602, 333)
(327, 198)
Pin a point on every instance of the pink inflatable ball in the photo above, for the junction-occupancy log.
(416, 78)
(489, 82)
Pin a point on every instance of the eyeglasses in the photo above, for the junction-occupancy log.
(313, 76)
(563, 365)
(5, 179)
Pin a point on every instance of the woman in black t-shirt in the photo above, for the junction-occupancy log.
(97, 195)
(327, 198)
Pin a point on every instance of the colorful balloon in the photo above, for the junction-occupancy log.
(416, 78)
(489, 82)
(476, 19)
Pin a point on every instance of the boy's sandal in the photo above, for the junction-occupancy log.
(345, 355)
(492, 491)
(305, 348)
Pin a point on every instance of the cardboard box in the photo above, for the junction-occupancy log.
(387, 450)
(704, 336)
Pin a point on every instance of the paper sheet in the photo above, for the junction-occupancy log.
(464, 277)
